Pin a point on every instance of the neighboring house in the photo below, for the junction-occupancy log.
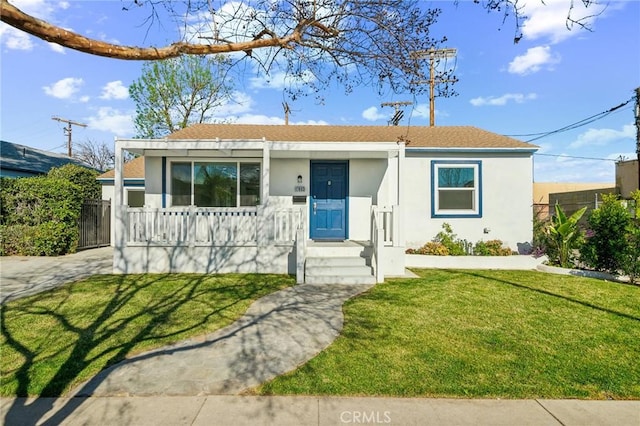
(627, 179)
(22, 161)
(133, 184)
(545, 195)
(328, 203)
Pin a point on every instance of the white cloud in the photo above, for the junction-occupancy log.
(112, 120)
(502, 100)
(548, 19)
(57, 48)
(114, 90)
(422, 111)
(239, 103)
(599, 137)
(39, 8)
(567, 169)
(533, 60)
(372, 114)
(257, 119)
(65, 88)
(280, 80)
(14, 39)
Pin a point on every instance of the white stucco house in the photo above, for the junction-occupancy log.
(326, 203)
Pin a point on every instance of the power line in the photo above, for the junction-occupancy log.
(575, 125)
(578, 157)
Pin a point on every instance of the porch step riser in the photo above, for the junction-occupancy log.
(346, 271)
(359, 280)
(339, 270)
(329, 252)
(332, 262)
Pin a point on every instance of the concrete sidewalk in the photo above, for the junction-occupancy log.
(26, 275)
(302, 411)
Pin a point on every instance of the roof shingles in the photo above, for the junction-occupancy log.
(416, 137)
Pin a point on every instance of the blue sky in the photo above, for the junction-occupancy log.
(552, 78)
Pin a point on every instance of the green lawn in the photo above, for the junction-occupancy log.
(52, 341)
(506, 334)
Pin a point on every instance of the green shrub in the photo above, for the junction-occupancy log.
(607, 243)
(491, 248)
(39, 215)
(432, 248)
(631, 257)
(448, 239)
(35, 200)
(85, 179)
(45, 239)
(563, 237)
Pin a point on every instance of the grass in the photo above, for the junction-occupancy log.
(490, 334)
(53, 341)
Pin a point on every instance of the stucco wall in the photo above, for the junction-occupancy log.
(506, 200)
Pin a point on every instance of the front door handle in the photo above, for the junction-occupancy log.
(315, 207)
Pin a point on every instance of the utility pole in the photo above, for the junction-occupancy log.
(638, 132)
(398, 114)
(67, 131)
(287, 110)
(433, 54)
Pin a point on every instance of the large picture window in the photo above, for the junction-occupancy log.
(215, 184)
(456, 189)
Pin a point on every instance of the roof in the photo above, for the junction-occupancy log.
(22, 160)
(416, 137)
(133, 169)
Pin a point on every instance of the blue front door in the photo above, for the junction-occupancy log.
(328, 200)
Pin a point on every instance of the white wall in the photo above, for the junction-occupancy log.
(153, 181)
(506, 200)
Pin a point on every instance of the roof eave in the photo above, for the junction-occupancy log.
(410, 149)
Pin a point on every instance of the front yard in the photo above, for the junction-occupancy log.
(450, 333)
(489, 334)
(52, 341)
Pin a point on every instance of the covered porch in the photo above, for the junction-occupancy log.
(269, 226)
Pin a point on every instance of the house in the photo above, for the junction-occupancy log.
(132, 184)
(22, 161)
(570, 195)
(627, 177)
(327, 203)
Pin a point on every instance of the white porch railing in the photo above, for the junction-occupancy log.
(212, 226)
(286, 221)
(385, 232)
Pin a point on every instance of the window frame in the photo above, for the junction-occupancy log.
(436, 211)
(192, 161)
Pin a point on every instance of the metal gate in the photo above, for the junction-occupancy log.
(95, 224)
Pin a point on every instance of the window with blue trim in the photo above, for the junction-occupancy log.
(456, 189)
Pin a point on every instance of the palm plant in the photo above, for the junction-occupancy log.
(563, 236)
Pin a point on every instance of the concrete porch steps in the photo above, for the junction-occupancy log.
(344, 262)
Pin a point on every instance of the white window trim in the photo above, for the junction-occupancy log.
(476, 212)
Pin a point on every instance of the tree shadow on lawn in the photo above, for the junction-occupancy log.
(550, 293)
(114, 317)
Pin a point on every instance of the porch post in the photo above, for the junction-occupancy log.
(398, 220)
(264, 231)
(119, 212)
(265, 172)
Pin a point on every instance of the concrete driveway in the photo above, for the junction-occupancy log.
(26, 275)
